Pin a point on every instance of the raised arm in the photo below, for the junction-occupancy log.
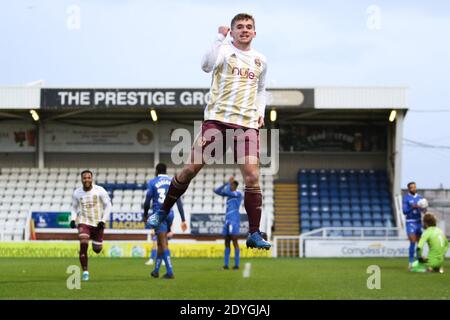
(220, 190)
(209, 59)
(230, 194)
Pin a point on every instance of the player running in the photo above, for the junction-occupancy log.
(91, 207)
(437, 245)
(232, 219)
(413, 219)
(157, 189)
(237, 104)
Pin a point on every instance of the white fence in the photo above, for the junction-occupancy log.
(295, 246)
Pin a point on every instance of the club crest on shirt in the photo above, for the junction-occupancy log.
(257, 62)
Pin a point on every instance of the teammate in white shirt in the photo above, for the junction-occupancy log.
(91, 207)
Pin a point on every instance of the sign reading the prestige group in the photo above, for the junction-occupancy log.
(123, 98)
(57, 98)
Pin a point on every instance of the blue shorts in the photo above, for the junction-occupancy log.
(231, 228)
(165, 226)
(414, 227)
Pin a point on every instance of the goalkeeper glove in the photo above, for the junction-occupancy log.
(101, 225)
(73, 225)
(423, 260)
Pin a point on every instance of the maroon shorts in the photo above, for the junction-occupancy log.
(94, 233)
(217, 137)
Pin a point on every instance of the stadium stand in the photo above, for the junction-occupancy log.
(344, 198)
(51, 189)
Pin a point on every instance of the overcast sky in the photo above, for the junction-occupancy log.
(307, 43)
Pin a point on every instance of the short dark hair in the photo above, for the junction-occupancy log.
(242, 16)
(236, 183)
(86, 171)
(410, 183)
(161, 168)
(429, 220)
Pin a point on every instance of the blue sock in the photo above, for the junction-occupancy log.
(153, 254)
(166, 257)
(236, 256)
(412, 249)
(227, 256)
(159, 259)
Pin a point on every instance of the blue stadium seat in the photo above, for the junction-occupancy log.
(326, 215)
(386, 215)
(324, 201)
(335, 201)
(366, 216)
(315, 216)
(363, 192)
(326, 223)
(315, 201)
(376, 208)
(347, 224)
(378, 224)
(377, 216)
(365, 201)
(375, 201)
(335, 208)
(357, 224)
(314, 209)
(356, 207)
(345, 208)
(306, 224)
(304, 208)
(346, 216)
(304, 194)
(354, 200)
(367, 223)
(357, 216)
(336, 223)
(305, 215)
(324, 193)
(335, 215)
(304, 186)
(316, 224)
(365, 208)
(304, 201)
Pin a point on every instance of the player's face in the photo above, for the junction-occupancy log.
(233, 187)
(86, 179)
(412, 189)
(243, 31)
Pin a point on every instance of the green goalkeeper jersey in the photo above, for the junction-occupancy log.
(437, 244)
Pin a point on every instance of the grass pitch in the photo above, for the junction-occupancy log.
(196, 278)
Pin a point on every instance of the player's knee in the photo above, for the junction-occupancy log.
(187, 174)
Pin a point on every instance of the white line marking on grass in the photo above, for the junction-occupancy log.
(247, 269)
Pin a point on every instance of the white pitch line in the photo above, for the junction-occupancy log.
(247, 269)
